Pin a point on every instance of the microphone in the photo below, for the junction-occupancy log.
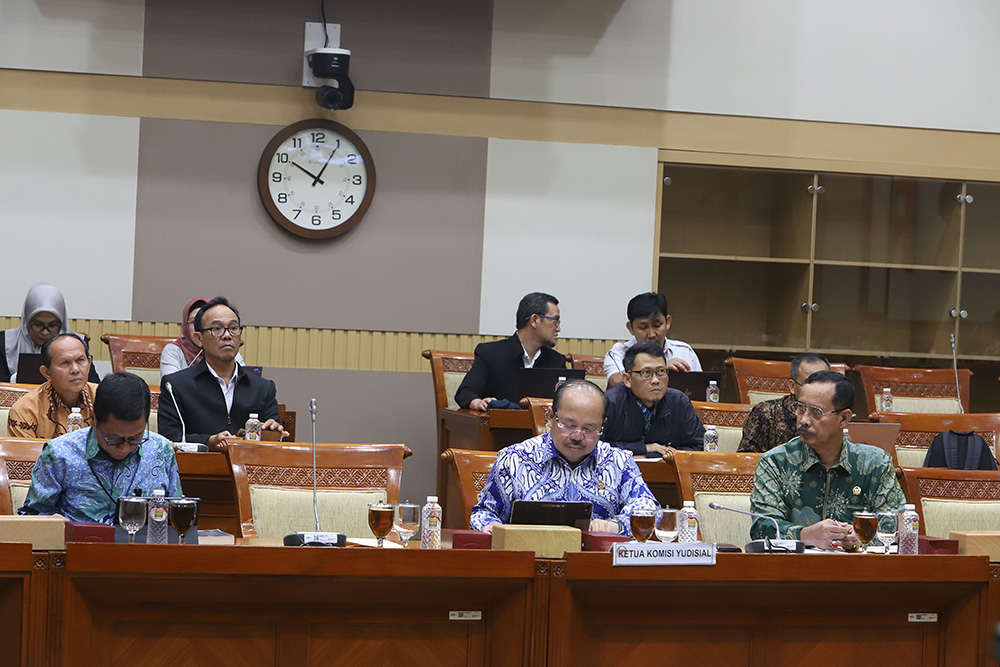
(954, 364)
(318, 538)
(183, 445)
(766, 545)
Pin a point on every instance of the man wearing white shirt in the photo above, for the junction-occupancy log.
(648, 320)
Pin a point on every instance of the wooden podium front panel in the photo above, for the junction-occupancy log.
(770, 610)
(16, 566)
(168, 605)
(207, 475)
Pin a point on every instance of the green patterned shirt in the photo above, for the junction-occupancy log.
(793, 486)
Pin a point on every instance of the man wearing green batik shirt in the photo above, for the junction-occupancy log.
(813, 484)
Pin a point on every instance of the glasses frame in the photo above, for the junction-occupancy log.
(813, 410)
(587, 433)
(234, 330)
(121, 441)
(647, 374)
(556, 319)
(37, 326)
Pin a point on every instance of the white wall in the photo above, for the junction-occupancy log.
(573, 220)
(67, 209)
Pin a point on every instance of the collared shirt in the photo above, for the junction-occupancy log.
(793, 486)
(529, 362)
(769, 424)
(227, 389)
(74, 477)
(615, 357)
(674, 422)
(534, 470)
(42, 414)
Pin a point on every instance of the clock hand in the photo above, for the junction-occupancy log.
(315, 177)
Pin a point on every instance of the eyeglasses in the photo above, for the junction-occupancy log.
(815, 411)
(556, 320)
(587, 433)
(44, 326)
(118, 442)
(647, 373)
(216, 331)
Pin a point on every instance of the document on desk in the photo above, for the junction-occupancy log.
(663, 553)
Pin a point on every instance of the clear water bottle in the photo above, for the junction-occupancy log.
(75, 421)
(711, 439)
(252, 429)
(907, 530)
(560, 382)
(712, 393)
(886, 399)
(847, 435)
(688, 520)
(156, 527)
(430, 524)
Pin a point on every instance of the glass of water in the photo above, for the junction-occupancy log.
(407, 521)
(886, 529)
(666, 525)
(132, 515)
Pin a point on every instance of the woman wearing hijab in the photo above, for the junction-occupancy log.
(42, 317)
(184, 352)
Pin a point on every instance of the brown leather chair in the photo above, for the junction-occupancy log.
(137, 354)
(447, 371)
(759, 380)
(948, 500)
(728, 418)
(593, 367)
(471, 468)
(930, 390)
(274, 485)
(723, 477)
(917, 430)
(17, 458)
(9, 393)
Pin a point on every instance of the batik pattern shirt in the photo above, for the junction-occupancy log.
(794, 487)
(534, 470)
(41, 413)
(769, 424)
(74, 477)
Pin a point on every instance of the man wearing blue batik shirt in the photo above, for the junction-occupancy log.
(570, 463)
(81, 475)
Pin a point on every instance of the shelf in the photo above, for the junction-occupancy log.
(981, 224)
(993, 272)
(886, 265)
(733, 258)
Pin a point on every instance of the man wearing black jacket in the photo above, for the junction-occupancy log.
(644, 415)
(495, 370)
(216, 395)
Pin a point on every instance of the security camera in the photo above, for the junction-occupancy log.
(331, 65)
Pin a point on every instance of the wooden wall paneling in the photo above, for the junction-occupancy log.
(19, 630)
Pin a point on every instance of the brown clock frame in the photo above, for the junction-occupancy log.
(263, 186)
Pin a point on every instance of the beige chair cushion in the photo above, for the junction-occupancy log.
(926, 405)
(720, 526)
(3, 421)
(154, 424)
(278, 511)
(729, 438)
(759, 396)
(941, 516)
(600, 380)
(18, 492)
(150, 375)
(451, 384)
(911, 457)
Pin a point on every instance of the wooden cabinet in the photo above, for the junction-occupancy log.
(782, 261)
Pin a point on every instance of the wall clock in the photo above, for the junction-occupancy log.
(316, 178)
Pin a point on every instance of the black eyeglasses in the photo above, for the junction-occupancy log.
(44, 326)
(557, 320)
(647, 373)
(217, 330)
(118, 442)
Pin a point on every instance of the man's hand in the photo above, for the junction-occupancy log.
(678, 364)
(272, 425)
(603, 526)
(656, 447)
(488, 528)
(829, 534)
(220, 441)
(481, 403)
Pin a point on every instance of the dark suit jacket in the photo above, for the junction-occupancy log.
(204, 406)
(675, 422)
(496, 368)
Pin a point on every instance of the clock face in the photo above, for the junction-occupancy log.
(316, 178)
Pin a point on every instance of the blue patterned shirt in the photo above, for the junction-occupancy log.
(74, 477)
(534, 470)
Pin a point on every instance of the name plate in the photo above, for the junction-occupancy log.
(660, 553)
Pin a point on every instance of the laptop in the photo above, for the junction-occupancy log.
(541, 382)
(552, 513)
(694, 384)
(29, 366)
(881, 435)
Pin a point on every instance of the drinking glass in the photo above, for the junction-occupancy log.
(865, 526)
(183, 516)
(886, 528)
(666, 525)
(380, 520)
(132, 515)
(642, 521)
(407, 521)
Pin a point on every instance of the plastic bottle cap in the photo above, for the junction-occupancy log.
(886, 390)
(909, 506)
(432, 499)
(711, 427)
(688, 503)
(74, 410)
(159, 492)
(253, 415)
(711, 382)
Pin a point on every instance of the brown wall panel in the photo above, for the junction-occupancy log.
(413, 264)
(440, 48)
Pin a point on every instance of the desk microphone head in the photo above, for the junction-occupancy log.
(312, 408)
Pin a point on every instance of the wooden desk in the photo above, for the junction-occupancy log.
(207, 475)
(299, 606)
(771, 610)
(16, 566)
(470, 429)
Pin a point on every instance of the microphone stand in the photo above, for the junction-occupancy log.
(183, 445)
(766, 545)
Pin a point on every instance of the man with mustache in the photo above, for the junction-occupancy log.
(813, 484)
(217, 395)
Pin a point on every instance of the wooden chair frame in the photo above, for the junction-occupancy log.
(135, 351)
(919, 382)
(919, 429)
(712, 472)
(763, 375)
(541, 412)
(365, 466)
(472, 468)
(919, 483)
(588, 364)
(17, 459)
(722, 414)
(446, 362)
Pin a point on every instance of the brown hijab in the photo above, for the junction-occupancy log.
(186, 341)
